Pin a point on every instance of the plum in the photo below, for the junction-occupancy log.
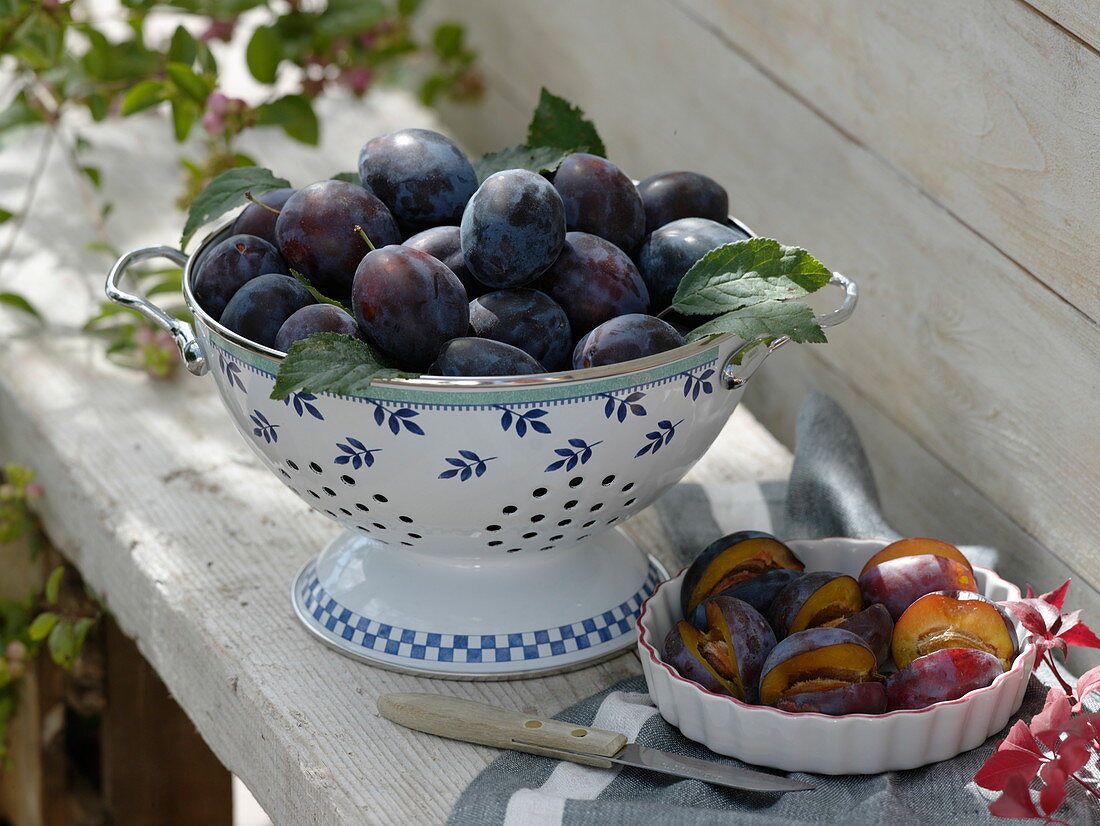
(255, 220)
(513, 228)
(759, 592)
(853, 698)
(953, 619)
(945, 674)
(593, 281)
(231, 264)
(814, 660)
(469, 356)
(673, 195)
(422, 176)
(918, 546)
(817, 598)
(897, 583)
(316, 318)
(600, 199)
(876, 628)
(727, 657)
(669, 252)
(407, 304)
(259, 308)
(527, 319)
(624, 338)
(445, 243)
(731, 560)
(317, 237)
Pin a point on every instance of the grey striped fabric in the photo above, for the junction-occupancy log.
(830, 493)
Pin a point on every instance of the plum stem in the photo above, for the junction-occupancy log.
(365, 237)
(248, 197)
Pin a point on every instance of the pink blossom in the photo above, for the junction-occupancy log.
(219, 30)
(357, 78)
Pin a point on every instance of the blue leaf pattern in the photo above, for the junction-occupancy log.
(232, 372)
(303, 404)
(523, 420)
(355, 453)
(580, 454)
(618, 408)
(473, 466)
(264, 429)
(398, 420)
(659, 438)
(694, 385)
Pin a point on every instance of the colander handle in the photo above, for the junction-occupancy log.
(180, 330)
(735, 375)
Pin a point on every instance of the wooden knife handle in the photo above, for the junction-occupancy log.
(487, 725)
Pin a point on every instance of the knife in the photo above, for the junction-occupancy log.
(487, 725)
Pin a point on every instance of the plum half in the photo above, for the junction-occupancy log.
(945, 674)
(727, 657)
(829, 661)
(917, 546)
(731, 560)
(898, 583)
(814, 599)
(759, 592)
(874, 625)
(953, 619)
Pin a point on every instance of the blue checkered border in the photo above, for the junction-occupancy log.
(471, 648)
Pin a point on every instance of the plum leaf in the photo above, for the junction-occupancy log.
(748, 272)
(330, 363)
(18, 302)
(765, 320)
(226, 192)
(317, 294)
(557, 122)
(532, 158)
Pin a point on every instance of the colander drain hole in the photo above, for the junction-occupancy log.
(508, 510)
(538, 517)
(316, 468)
(608, 480)
(290, 463)
(348, 480)
(329, 491)
(627, 486)
(538, 493)
(576, 481)
(362, 507)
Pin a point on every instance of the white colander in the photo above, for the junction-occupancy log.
(479, 515)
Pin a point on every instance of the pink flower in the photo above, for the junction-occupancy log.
(219, 108)
(357, 78)
(219, 30)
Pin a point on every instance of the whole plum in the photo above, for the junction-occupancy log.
(945, 674)
(445, 243)
(527, 319)
(230, 265)
(673, 195)
(422, 176)
(316, 318)
(513, 228)
(626, 337)
(470, 356)
(593, 281)
(670, 251)
(259, 308)
(600, 199)
(255, 220)
(317, 237)
(407, 304)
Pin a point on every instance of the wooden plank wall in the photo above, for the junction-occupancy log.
(946, 155)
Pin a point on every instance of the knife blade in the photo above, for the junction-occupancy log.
(474, 722)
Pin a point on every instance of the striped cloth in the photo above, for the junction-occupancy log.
(830, 493)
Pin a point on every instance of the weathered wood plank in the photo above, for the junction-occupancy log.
(1080, 17)
(963, 348)
(984, 105)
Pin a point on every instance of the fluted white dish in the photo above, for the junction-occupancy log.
(854, 743)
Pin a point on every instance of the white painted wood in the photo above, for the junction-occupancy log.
(1080, 17)
(985, 105)
(193, 545)
(984, 365)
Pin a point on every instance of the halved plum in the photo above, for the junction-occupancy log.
(855, 698)
(759, 592)
(898, 583)
(818, 660)
(727, 657)
(874, 626)
(953, 619)
(917, 546)
(815, 599)
(945, 674)
(731, 560)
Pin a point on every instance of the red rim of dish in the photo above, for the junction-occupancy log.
(655, 659)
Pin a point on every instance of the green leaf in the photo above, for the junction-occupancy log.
(534, 159)
(748, 272)
(183, 48)
(188, 82)
(317, 294)
(53, 584)
(184, 114)
(98, 105)
(19, 113)
(558, 123)
(16, 301)
(342, 18)
(767, 320)
(226, 192)
(448, 40)
(93, 174)
(64, 644)
(407, 8)
(5, 215)
(142, 96)
(348, 177)
(263, 54)
(295, 114)
(80, 631)
(42, 625)
(329, 363)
